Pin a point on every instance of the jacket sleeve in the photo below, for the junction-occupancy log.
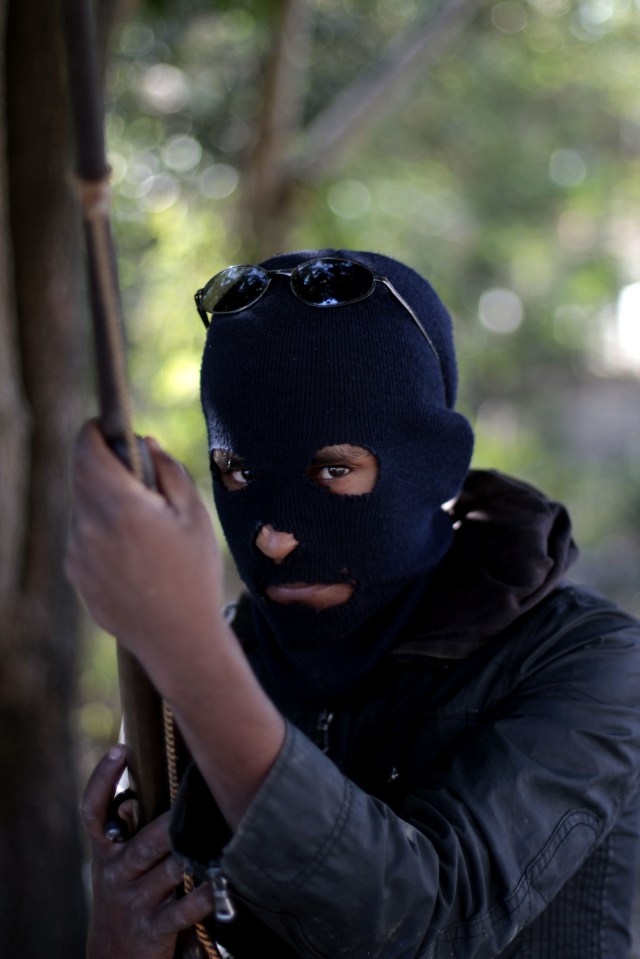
(486, 839)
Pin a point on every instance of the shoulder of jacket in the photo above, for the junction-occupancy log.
(571, 614)
(575, 607)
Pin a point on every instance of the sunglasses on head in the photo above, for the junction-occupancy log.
(323, 282)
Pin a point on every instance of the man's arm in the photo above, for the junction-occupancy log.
(150, 572)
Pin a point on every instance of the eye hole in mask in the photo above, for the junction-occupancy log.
(344, 470)
(230, 469)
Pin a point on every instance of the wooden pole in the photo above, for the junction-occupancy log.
(142, 707)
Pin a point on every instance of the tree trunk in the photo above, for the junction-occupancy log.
(42, 903)
(266, 205)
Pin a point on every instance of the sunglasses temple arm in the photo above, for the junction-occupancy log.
(201, 312)
(409, 310)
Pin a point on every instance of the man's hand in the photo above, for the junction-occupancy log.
(136, 914)
(146, 563)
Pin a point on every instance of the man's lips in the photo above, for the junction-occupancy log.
(315, 595)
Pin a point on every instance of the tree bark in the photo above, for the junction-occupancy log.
(42, 902)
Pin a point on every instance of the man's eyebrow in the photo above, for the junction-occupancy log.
(334, 454)
(226, 458)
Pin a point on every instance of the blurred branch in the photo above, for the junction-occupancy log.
(109, 15)
(265, 208)
(370, 96)
(285, 76)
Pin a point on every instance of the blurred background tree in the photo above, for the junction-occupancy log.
(42, 899)
(494, 146)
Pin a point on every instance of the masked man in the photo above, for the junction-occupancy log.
(412, 737)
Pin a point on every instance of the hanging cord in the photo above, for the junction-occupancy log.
(172, 774)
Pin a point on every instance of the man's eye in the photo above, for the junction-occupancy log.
(332, 472)
(231, 469)
(241, 477)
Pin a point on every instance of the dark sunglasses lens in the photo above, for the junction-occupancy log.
(234, 289)
(331, 282)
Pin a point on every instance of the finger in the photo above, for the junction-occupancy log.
(98, 468)
(172, 478)
(99, 791)
(129, 811)
(122, 816)
(92, 453)
(159, 883)
(146, 849)
(179, 914)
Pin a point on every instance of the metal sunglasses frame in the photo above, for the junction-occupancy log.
(282, 272)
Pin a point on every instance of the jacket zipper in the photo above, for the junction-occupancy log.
(325, 718)
(223, 909)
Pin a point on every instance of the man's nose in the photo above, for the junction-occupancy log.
(275, 544)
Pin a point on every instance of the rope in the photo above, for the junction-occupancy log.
(170, 750)
(172, 772)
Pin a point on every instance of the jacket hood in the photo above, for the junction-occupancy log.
(511, 548)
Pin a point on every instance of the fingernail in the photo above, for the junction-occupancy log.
(116, 753)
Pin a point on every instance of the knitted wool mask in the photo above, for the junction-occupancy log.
(280, 381)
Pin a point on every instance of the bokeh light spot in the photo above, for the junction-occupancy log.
(628, 326)
(597, 12)
(567, 168)
(162, 192)
(349, 199)
(509, 17)
(218, 181)
(164, 88)
(181, 153)
(500, 310)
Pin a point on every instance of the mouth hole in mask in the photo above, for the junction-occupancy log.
(344, 469)
(313, 596)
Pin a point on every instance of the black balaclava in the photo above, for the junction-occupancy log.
(280, 381)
